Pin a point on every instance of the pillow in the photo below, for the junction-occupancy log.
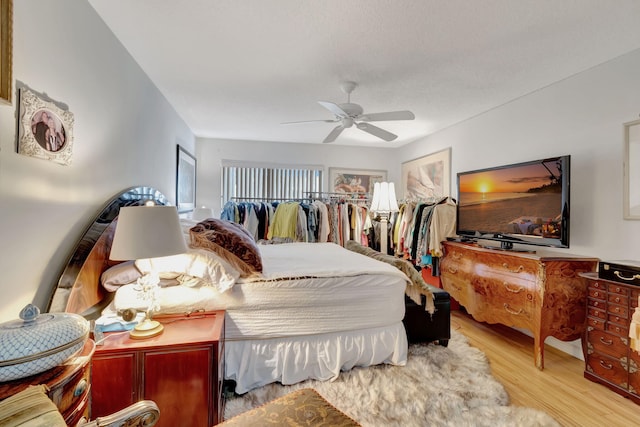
(120, 274)
(231, 241)
(209, 267)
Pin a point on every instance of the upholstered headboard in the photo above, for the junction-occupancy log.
(78, 290)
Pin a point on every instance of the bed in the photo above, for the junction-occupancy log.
(315, 310)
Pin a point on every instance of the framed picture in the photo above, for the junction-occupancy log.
(428, 176)
(6, 43)
(46, 130)
(354, 180)
(185, 181)
(632, 170)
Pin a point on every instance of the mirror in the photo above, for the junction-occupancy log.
(77, 290)
(632, 170)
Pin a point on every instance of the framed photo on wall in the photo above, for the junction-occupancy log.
(632, 170)
(428, 176)
(185, 181)
(354, 180)
(46, 130)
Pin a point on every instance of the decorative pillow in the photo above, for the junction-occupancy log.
(120, 274)
(199, 263)
(231, 241)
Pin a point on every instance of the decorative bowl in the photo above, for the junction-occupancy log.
(38, 342)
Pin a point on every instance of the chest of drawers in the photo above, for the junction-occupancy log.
(608, 358)
(538, 292)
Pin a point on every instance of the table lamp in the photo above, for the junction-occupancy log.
(384, 203)
(144, 232)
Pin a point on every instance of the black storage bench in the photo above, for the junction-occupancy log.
(422, 326)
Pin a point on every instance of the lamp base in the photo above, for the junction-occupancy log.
(147, 329)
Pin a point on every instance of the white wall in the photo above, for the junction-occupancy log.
(210, 152)
(582, 116)
(125, 134)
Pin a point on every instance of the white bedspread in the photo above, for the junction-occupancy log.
(307, 288)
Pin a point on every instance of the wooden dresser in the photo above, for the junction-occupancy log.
(543, 294)
(69, 385)
(181, 370)
(608, 358)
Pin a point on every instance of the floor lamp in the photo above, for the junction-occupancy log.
(384, 203)
(144, 232)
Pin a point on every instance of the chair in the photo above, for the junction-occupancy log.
(33, 408)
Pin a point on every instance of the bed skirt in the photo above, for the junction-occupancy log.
(254, 363)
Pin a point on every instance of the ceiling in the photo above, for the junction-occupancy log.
(237, 69)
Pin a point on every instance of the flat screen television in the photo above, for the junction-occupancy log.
(524, 203)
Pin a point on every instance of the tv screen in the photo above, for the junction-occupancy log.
(525, 203)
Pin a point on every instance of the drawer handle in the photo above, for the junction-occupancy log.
(456, 255)
(513, 270)
(452, 270)
(513, 289)
(606, 342)
(81, 387)
(606, 365)
(617, 299)
(596, 294)
(512, 311)
(620, 276)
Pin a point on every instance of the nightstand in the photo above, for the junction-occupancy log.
(69, 385)
(181, 370)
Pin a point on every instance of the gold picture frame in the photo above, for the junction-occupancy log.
(6, 43)
(46, 130)
(428, 176)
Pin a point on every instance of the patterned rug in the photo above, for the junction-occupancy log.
(439, 386)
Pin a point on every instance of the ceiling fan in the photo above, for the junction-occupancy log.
(349, 114)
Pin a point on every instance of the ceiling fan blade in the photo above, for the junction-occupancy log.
(389, 115)
(334, 108)
(309, 121)
(376, 131)
(333, 134)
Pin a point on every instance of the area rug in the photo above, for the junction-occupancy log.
(439, 386)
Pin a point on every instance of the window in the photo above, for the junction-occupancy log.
(244, 180)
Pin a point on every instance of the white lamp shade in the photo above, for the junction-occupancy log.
(384, 197)
(147, 232)
(202, 213)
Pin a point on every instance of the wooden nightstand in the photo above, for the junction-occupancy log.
(69, 385)
(181, 370)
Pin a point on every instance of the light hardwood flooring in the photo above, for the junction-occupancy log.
(560, 389)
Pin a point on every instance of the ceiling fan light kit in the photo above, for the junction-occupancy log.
(349, 114)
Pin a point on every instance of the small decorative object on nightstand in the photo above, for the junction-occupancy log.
(181, 371)
(144, 232)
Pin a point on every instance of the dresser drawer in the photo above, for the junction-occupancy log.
(617, 299)
(607, 343)
(594, 312)
(619, 330)
(607, 368)
(597, 303)
(619, 310)
(596, 323)
(617, 289)
(597, 293)
(67, 394)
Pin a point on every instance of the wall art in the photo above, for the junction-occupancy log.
(185, 181)
(427, 177)
(351, 181)
(45, 130)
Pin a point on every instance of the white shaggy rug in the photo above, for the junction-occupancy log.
(439, 386)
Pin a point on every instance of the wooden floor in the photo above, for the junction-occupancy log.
(560, 389)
